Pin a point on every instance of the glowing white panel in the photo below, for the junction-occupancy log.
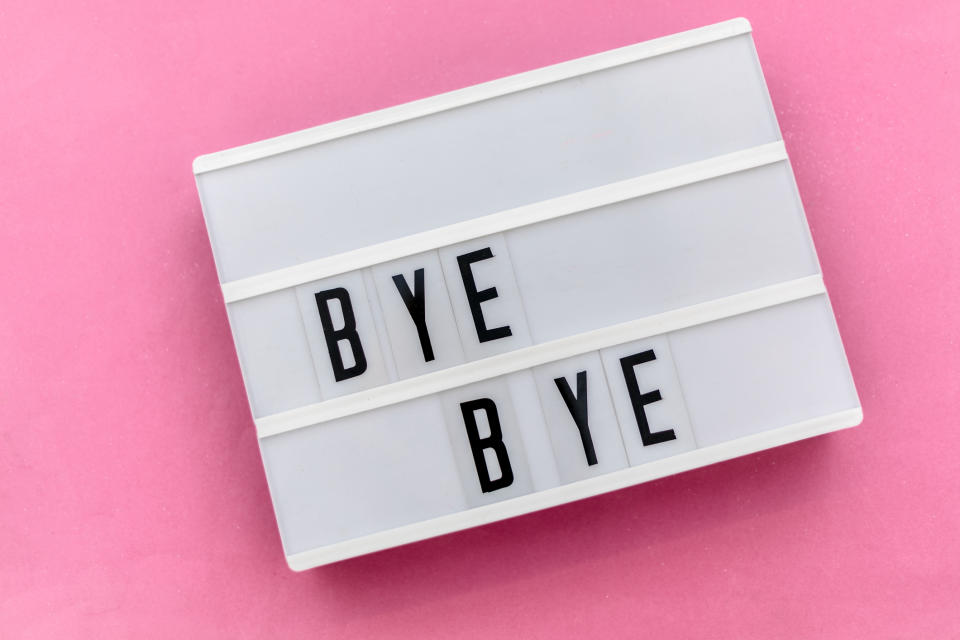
(274, 353)
(663, 251)
(561, 136)
(363, 474)
(762, 370)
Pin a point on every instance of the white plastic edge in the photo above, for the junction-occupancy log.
(505, 220)
(468, 95)
(575, 491)
(532, 356)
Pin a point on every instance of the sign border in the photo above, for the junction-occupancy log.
(468, 95)
(573, 491)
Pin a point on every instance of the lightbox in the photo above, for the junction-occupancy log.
(523, 293)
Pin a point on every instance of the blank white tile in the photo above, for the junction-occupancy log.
(533, 430)
(668, 413)
(361, 474)
(376, 371)
(762, 370)
(444, 348)
(380, 325)
(504, 310)
(496, 390)
(604, 430)
(274, 353)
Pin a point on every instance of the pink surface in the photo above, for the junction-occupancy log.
(132, 495)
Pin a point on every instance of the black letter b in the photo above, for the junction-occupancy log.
(494, 441)
(335, 336)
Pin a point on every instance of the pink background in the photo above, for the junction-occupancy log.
(133, 500)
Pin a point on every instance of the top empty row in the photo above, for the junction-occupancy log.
(521, 147)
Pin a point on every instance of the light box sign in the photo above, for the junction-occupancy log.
(523, 293)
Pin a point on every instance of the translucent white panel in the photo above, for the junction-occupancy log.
(347, 355)
(380, 325)
(487, 443)
(664, 251)
(422, 331)
(533, 430)
(763, 370)
(483, 292)
(488, 156)
(648, 399)
(583, 426)
(361, 474)
(273, 352)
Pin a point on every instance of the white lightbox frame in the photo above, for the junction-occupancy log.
(526, 357)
